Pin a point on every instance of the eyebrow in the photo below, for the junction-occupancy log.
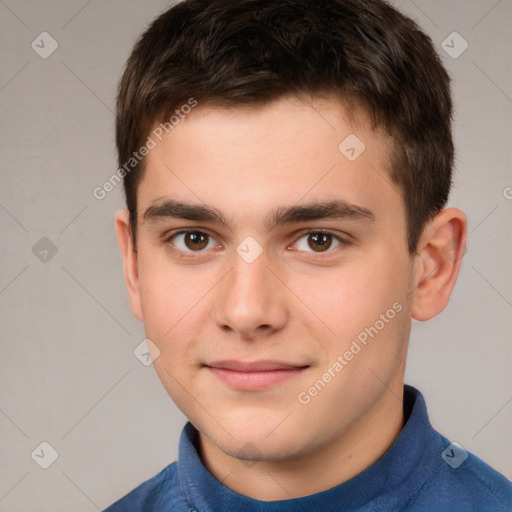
(338, 209)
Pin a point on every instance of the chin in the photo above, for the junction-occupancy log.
(254, 448)
(255, 440)
(246, 434)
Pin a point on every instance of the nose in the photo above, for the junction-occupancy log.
(251, 300)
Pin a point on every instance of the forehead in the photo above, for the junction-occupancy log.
(246, 161)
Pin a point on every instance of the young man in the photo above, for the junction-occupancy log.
(286, 165)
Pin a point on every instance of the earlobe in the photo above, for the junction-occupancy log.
(438, 261)
(129, 256)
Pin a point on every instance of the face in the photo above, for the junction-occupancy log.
(279, 309)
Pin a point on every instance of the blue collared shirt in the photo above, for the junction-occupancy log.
(421, 471)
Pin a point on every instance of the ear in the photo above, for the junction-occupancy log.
(129, 255)
(437, 262)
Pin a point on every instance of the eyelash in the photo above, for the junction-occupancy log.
(167, 239)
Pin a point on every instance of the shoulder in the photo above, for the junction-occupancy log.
(153, 494)
(471, 486)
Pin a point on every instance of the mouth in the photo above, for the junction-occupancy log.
(254, 375)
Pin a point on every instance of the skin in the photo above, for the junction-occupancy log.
(291, 303)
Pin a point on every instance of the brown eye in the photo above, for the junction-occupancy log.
(196, 240)
(319, 241)
(190, 241)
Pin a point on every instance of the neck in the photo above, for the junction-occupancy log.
(332, 464)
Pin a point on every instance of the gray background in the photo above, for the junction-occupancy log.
(68, 375)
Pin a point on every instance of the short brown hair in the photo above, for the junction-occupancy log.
(229, 53)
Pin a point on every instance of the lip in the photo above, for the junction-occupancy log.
(254, 375)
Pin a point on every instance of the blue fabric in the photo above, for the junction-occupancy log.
(411, 476)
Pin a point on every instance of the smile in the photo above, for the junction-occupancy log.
(256, 375)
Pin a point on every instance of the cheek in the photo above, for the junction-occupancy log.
(168, 295)
(346, 299)
(348, 303)
(175, 311)
(171, 306)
